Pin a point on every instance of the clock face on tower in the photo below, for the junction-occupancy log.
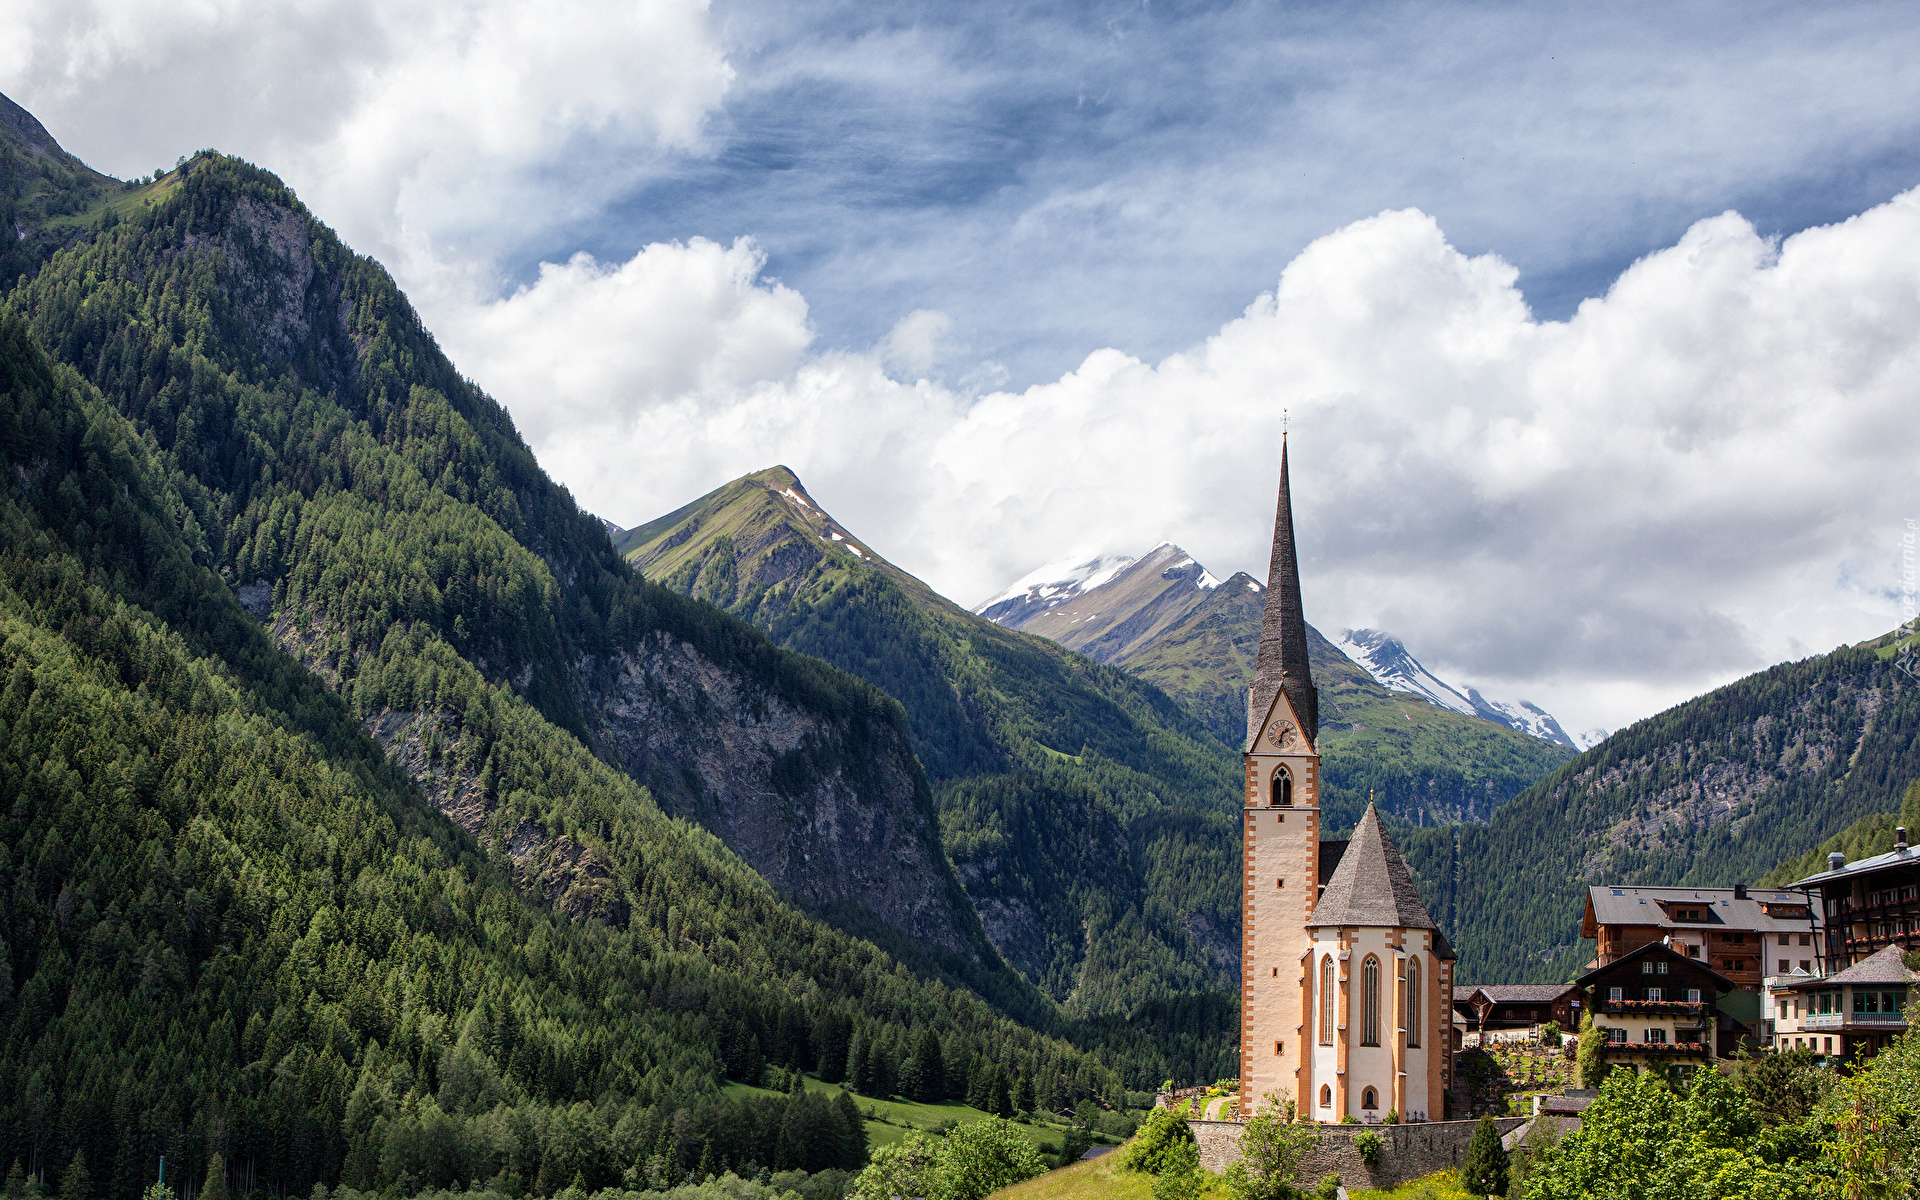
(1282, 736)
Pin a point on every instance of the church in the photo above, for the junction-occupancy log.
(1347, 988)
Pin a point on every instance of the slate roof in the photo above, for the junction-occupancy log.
(1892, 858)
(1882, 966)
(1371, 886)
(1282, 662)
(1623, 905)
(1514, 993)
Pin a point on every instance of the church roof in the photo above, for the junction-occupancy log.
(1282, 661)
(1372, 885)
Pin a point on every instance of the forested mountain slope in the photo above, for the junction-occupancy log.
(1715, 791)
(1092, 820)
(1164, 619)
(309, 857)
(232, 925)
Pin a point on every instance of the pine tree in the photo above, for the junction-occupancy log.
(1002, 1100)
(16, 1181)
(1022, 1095)
(980, 1085)
(1485, 1173)
(925, 1070)
(75, 1184)
(215, 1187)
(706, 1171)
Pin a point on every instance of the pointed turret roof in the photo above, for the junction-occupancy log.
(1372, 885)
(1283, 631)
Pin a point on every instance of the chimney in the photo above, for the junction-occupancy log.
(1739, 891)
(1900, 838)
(1836, 860)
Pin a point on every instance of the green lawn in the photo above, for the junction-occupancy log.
(897, 1118)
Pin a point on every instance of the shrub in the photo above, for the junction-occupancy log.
(1368, 1143)
(1550, 1034)
(1392, 1117)
(1147, 1153)
(1270, 1151)
(1180, 1177)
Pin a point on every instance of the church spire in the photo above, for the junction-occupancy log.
(1283, 631)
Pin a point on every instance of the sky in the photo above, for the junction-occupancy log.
(1597, 328)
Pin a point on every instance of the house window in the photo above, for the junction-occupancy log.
(1615, 995)
(1413, 1002)
(1326, 1096)
(1283, 787)
(1693, 951)
(1656, 1037)
(1369, 1099)
(1656, 994)
(1783, 1007)
(1806, 939)
(1783, 963)
(1783, 939)
(1646, 967)
(1277, 1046)
(1326, 1001)
(1370, 1012)
(1806, 966)
(1693, 995)
(1616, 1035)
(1660, 967)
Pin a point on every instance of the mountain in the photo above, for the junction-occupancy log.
(1712, 792)
(1093, 822)
(1387, 660)
(1165, 618)
(326, 723)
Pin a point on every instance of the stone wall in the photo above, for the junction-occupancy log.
(1407, 1151)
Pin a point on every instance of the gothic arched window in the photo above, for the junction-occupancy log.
(1326, 1001)
(1413, 1001)
(1370, 1002)
(1282, 791)
(1326, 1096)
(1369, 1099)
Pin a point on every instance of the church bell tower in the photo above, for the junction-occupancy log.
(1281, 838)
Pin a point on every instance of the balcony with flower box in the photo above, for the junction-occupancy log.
(1656, 1049)
(1653, 1008)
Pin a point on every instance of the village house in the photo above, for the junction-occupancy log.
(1853, 1012)
(1661, 1008)
(1499, 1007)
(1870, 904)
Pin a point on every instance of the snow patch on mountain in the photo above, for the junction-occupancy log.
(1587, 739)
(1058, 582)
(1386, 658)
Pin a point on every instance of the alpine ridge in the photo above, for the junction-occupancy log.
(1090, 818)
(1165, 618)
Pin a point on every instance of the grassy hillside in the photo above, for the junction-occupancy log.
(1093, 821)
(1717, 791)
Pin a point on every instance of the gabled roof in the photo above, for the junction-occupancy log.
(1659, 950)
(1621, 904)
(1282, 662)
(1372, 885)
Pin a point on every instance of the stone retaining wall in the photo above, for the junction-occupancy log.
(1406, 1151)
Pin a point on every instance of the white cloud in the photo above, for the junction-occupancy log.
(413, 126)
(1701, 472)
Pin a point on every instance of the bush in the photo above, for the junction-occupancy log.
(1550, 1034)
(1147, 1153)
(1180, 1177)
(1592, 1058)
(980, 1158)
(1486, 1171)
(1368, 1143)
(1270, 1151)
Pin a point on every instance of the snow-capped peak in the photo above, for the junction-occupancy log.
(1058, 582)
(1587, 739)
(1206, 582)
(1387, 660)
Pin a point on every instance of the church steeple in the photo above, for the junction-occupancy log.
(1283, 631)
